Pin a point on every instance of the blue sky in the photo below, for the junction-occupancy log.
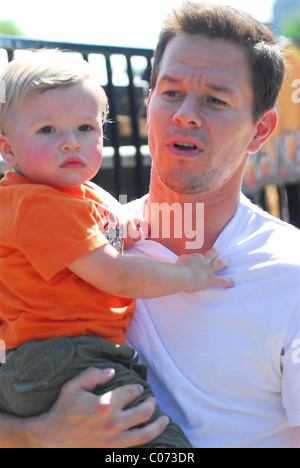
(129, 23)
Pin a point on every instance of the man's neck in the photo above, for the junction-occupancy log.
(195, 221)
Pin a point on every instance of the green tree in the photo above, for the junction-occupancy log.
(10, 27)
(291, 29)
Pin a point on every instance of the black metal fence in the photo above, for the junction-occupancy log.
(124, 73)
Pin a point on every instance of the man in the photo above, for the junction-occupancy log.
(224, 364)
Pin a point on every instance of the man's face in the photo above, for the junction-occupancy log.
(200, 121)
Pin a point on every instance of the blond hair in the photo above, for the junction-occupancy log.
(40, 71)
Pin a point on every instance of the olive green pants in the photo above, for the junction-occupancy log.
(33, 375)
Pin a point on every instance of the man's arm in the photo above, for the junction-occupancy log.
(137, 277)
(80, 419)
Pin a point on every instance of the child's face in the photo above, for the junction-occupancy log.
(56, 137)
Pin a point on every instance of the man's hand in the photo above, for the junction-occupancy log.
(79, 419)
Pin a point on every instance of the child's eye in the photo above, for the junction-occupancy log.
(47, 129)
(85, 128)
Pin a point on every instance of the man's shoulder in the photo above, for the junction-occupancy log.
(263, 219)
(267, 232)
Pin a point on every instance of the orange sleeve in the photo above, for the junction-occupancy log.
(54, 229)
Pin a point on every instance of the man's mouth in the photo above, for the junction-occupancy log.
(185, 146)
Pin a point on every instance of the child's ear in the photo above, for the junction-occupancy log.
(7, 151)
(264, 129)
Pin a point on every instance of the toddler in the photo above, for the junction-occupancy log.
(67, 294)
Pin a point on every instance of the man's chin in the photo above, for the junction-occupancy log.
(186, 185)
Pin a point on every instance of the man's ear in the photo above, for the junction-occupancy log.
(7, 151)
(264, 129)
(148, 103)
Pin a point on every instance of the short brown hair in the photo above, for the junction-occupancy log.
(224, 22)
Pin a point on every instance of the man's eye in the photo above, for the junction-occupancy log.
(47, 129)
(217, 102)
(171, 94)
(85, 128)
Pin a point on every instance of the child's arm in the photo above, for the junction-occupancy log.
(137, 277)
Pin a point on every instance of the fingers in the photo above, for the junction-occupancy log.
(89, 379)
(140, 414)
(136, 229)
(120, 428)
(213, 253)
(142, 436)
(218, 264)
(79, 418)
(224, 282)
(121, 397)
(133, 233)
(112, 404)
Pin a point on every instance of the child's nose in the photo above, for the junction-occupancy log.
(70, 143)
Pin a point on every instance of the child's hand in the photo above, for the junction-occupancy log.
(202, 270)
(136, 228)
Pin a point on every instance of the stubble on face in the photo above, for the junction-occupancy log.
(188, 184)
(222, 132)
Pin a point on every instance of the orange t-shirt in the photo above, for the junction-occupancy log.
(43, 230)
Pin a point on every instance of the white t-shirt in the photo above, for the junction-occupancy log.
(225, 363)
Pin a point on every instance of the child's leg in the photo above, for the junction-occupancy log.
(32, 378)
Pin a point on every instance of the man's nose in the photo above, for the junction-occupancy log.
(188, 114)
(69, 142)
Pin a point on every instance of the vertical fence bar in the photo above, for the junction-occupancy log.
(10, 54)
(114, 128)
(135, 129)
